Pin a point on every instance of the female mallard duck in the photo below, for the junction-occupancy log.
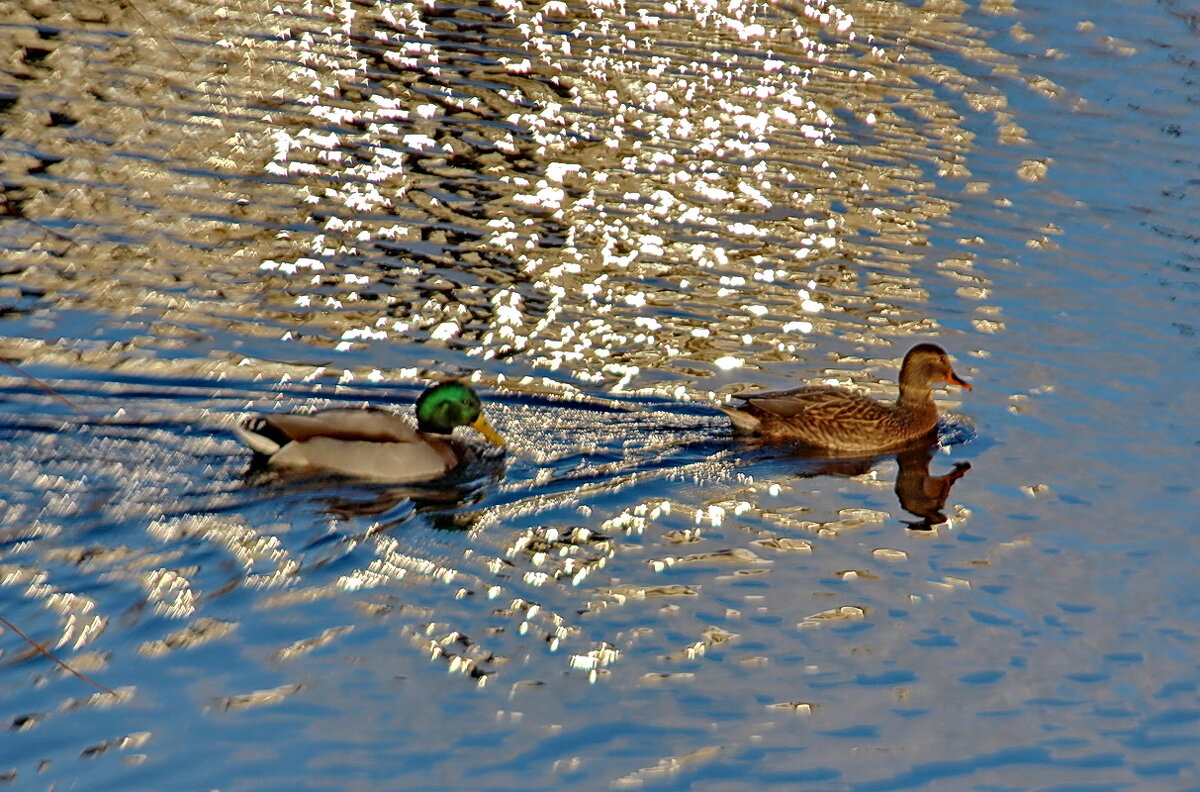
(372, 443)
(837, 420)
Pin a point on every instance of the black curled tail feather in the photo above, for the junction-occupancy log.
(261, 435)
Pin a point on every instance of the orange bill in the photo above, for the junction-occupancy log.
(484, 428)
(954, 379)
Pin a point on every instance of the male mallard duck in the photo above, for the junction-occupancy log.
(372, 443)
(837, 420)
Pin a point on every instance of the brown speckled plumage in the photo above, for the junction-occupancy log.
(846, 422)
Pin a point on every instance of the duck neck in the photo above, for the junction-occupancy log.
(426, 428)
(914, 398)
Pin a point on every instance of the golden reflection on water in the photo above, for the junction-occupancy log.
(634, 198)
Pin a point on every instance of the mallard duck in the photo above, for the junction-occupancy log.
(372, 443)
(837, 420)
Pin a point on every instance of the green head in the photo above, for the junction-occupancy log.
(451, 404)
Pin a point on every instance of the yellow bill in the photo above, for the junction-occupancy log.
(484, 428)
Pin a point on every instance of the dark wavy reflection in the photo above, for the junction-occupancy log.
(565, 192)
(919, 493)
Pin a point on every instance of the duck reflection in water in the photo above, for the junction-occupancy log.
(446, 504)
(920, 494)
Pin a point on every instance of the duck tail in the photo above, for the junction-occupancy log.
(255, 432)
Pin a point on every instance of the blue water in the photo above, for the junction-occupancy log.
(630, 597)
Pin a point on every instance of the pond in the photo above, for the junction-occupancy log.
(608, 217)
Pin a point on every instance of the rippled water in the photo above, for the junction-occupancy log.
(610, 216)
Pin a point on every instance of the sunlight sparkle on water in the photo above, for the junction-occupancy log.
(681, 98)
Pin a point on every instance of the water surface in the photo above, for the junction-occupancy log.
(608, 216)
